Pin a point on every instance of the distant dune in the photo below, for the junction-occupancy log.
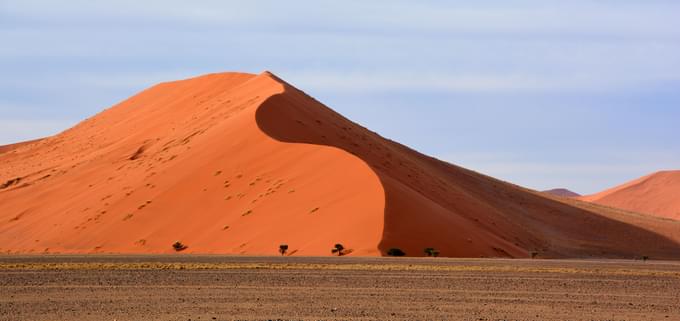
(241, 163)
(563, 192)
(657, 194)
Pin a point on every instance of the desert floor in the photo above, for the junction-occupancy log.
(185, 287)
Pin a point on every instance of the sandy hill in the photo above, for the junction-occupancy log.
(563, 192)
(657, 194)
(240, 163)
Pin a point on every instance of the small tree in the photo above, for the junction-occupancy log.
(395, 252)
(431, 252)
(645, 258)
(283, 248)
(534, 254)
(179, 246)
(428, 251)
(338, 249)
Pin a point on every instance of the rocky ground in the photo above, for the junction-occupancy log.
(262, 288)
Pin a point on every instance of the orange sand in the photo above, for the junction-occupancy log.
(657, 194)
(240, 163)
(9, 148)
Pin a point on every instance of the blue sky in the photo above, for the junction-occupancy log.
(578, 94)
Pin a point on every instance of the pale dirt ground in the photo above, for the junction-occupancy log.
(194, 288)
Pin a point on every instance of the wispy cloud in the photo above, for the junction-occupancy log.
(623, 18)
(390, 81)
(440, 75)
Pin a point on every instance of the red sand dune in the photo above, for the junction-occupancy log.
(240, 163)
(657, 194)
(9, 148)
(562, 192)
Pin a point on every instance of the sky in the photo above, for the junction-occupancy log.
(577, 94)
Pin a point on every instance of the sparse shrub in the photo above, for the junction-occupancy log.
(431, 252)
(283, 248)
(534, 254)
(395, 252)
(645, 258)
(338, 249)
(179, 246)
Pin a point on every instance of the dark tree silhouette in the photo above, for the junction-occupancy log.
(395, 252)
(283, 248)
(179, 246)
(338, 249)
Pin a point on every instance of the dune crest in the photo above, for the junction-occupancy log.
(241, 163)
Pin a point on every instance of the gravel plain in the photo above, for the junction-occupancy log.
(189, 287)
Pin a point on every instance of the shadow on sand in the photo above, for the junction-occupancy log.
(430, 203)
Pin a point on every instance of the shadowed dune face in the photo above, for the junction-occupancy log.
(241, 163)
(656, 194)
(429, 203)
(412, 221)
